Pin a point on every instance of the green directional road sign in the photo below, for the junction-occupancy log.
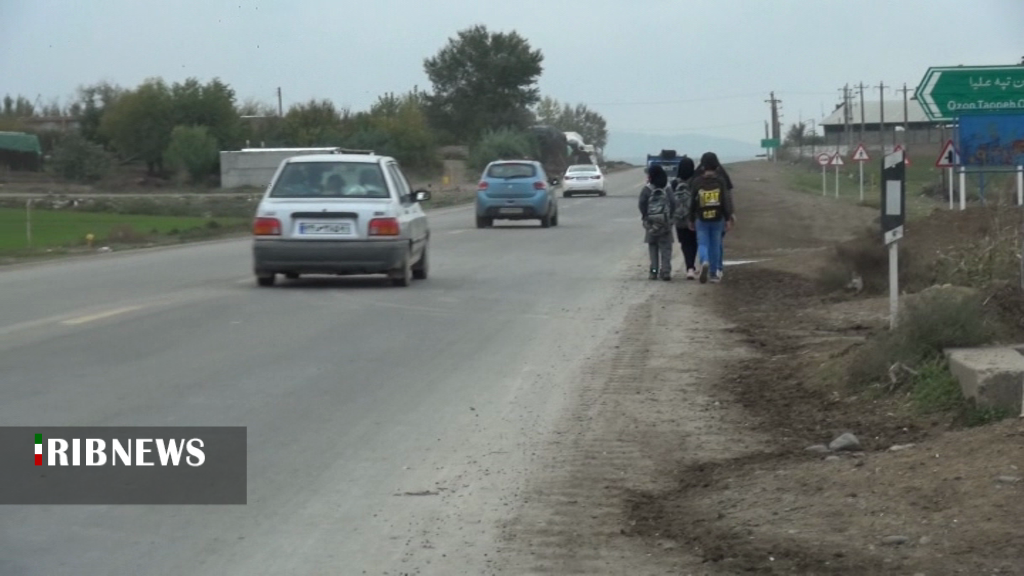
(947, 92)
(769, 143)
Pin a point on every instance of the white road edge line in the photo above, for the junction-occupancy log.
(101, 315)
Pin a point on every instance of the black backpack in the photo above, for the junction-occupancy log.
(709, 200)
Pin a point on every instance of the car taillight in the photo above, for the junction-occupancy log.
(482, 186)
(538, 185)
(598, 177)
(266, 227)
(384, 227)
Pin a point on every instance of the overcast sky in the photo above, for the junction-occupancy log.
(656, 66)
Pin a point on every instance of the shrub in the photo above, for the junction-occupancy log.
(934, 320)
(192, 152)
(80, 160)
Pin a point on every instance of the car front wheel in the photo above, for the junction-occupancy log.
(265, 279)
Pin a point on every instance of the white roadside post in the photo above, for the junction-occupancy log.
(893, 218)
(28, 222)
(1020, 185)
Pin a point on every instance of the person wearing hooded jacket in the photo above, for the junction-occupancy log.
(713, 158)
(658, 240)
(711, 215)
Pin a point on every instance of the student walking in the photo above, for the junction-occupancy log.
(657, 207)
(684, 196)
(713, 158)
(711, 215)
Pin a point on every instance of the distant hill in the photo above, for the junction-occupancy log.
(634, 147)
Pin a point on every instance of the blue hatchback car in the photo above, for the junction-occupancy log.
(516, 190)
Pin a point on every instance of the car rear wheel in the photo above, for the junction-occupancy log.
(292, 275)
(422, 268)
(567, 194)
(545, 222)
(483, 222)
(266, 279)
(554, 219)
(403, 276)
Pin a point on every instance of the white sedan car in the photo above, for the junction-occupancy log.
(340, 214)
(583, 179)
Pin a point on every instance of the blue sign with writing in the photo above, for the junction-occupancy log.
(992, 140)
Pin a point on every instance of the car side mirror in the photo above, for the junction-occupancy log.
(421, 196)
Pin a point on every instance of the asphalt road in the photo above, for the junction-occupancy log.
(356, 394)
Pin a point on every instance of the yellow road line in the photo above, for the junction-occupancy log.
(101, 315)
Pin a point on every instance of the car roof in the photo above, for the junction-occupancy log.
(524, 161)
(354, 158)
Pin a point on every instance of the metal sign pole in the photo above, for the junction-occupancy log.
(894, 285)
(861, 181)
(823, 177)
(837, 180)
(1020, 185)
(950, 187)
(963, 188)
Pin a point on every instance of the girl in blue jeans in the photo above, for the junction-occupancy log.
(711, 216)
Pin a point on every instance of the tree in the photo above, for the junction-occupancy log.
(211, 105)
(92, 102)
(568, 118)
(314, 123)
(139, 123)
(483, 80)
(503, 144)
(192, 151)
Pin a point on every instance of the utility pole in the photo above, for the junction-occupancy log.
(906, 120)
(280, 107)
(881, 116)
(775, 115)
(814, 136)
(862, 112)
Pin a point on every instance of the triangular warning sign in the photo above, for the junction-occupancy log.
(861, 155)
(837, 160)
(949, 157)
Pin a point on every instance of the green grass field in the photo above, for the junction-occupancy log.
(63, 229)
(807, 178)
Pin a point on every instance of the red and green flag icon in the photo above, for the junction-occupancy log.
(39, 449)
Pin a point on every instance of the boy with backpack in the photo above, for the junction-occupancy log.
(711, 215)
(657, 212)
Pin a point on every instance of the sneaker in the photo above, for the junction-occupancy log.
(653, 275)
(691, 274)
(716, 279)
(704, 270)
(666, 277)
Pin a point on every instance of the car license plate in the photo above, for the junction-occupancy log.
(511, 210)
(316, 228)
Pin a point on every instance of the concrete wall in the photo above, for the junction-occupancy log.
(254, 168)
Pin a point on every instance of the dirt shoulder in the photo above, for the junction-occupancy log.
(686, 449)
(924, 494)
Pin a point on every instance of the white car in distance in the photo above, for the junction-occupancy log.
(583, 179)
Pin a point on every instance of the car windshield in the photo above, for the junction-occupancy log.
(330, 180)
(511, 171)
(583, 168)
